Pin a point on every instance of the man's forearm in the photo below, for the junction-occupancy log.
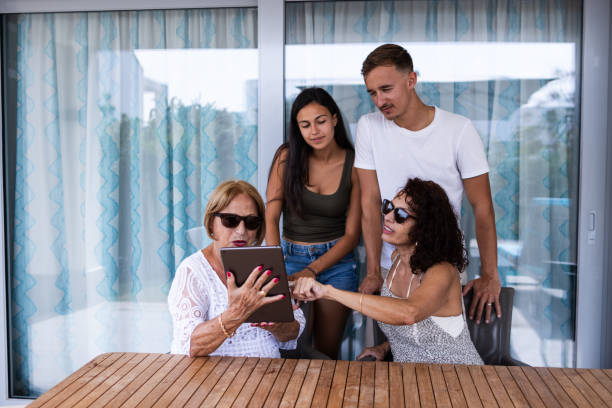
(486, 237)
(372, 231)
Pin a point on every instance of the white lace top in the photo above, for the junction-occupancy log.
(197, 295)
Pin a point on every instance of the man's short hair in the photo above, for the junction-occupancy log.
(388, 55)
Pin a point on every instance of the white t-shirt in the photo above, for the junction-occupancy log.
(447, 151)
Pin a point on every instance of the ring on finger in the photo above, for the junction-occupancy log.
(489, 304)
(262, 293)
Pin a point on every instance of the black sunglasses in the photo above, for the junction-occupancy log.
(251, 222)
(399, 214)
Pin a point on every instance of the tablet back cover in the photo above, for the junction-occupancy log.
(242, 261)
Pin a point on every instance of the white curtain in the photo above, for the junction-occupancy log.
(528, 123)
(111, 170)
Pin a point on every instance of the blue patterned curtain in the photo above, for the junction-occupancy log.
(528, 123)
(111, 170)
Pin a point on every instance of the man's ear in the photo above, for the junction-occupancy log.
(412, 79)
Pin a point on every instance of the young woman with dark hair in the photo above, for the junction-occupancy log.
(420, 309)
(313, 184)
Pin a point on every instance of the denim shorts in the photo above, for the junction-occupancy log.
(342, 275)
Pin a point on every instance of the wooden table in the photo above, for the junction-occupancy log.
(165, 380)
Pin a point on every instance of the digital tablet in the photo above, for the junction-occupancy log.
(242, 261)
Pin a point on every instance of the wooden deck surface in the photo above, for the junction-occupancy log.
(165, 380)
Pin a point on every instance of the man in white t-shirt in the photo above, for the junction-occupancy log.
(406, 139)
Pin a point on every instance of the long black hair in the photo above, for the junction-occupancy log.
(296, 163)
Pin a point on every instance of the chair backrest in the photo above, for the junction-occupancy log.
(492, 340)
(304, 347)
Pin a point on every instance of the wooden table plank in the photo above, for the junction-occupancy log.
(426, 395)
(608, 372)
(546, 387)
(381, 384)
(411, 389)
(269, 380)
(569, 387)
(280, 384)
(192, 385)
(162, 385)
(453, 386)
(251, 383)
(321, 393)
(110, 381)
(351, 390)
(482, 387)
(310, 384)
(557, 390)
(205, 385)
(141, 376)
(512, 388)
(295, 384)
(528, 390)
(136, 379)
(57, 398)
(166, 398)
(83, 389)
(173, 367)
(366, 389)
(224, 380)
(95, 362)
(604, 390)
(439, 386)
(238, 383)
(469, 389)
(396, 385)
(336, 393)
(586, 388)
(497, 388)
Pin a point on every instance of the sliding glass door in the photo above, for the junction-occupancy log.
(512, 67)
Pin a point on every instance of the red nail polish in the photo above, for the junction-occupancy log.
(282, 296)
(229, 274)
(276, 280)
(260, 267)
(268, 272)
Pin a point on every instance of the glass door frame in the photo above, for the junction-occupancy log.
(592, 245)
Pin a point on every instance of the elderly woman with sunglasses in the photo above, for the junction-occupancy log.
(420, 309)
(208, 309)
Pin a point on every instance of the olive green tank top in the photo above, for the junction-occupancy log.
(324, 216)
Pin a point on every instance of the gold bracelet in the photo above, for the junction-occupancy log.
(223, 328)
(361, 303)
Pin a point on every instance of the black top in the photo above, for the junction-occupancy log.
(324, 216)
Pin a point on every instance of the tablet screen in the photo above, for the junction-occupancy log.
(242, 261)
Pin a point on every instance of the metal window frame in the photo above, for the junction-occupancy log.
(590, 316)
(590, 292)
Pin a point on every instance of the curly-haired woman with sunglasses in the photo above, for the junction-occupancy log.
(420, 309)
(314, 185)
(208, 309)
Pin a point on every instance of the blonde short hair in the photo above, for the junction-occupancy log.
(223, 196)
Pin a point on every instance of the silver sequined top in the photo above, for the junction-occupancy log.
(426, 342)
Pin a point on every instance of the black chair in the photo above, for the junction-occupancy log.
(492, 340)
(304, 347)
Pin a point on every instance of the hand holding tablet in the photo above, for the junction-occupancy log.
(241, 263)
